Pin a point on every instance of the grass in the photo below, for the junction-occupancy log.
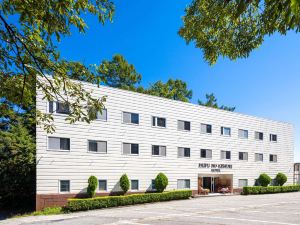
(44, 212)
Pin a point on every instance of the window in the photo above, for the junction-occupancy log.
(130, 118)
(64, 186)
(153, 187)
(273, 137)
(206, 128)
(158, 150)
(243, 155)
(102, 115)
(130, 149)
(56, 143)
(243, 182)
(98, 146)
(259, 157)
(158, 121)
(58, 107)
(206, 153)
(184, 152)
(184, 125)
(243, 133)
(259, 135)
(225, 155)
(134, 185)
(102, 185)
(226, 131)
(183, 184)
(273, 158)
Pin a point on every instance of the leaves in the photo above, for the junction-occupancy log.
(211, 101)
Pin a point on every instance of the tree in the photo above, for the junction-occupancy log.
(211, 101)
(17, 167)
(119, 73)
(281, 179)
(161, 182)
(29, 31)
(124, 183)
(234, 28)
(172, 89)
(264, 179)
(93, 184)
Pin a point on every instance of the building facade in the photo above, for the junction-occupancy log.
(141, 135)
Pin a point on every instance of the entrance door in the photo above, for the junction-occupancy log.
(210, 183)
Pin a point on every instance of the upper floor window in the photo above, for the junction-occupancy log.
(206, 153)
(273, 137)
(259, 135)
(184, 125)
(225, 155)
(226, 131)
(98, 146)
(58, 107)
(158, 121)
(243, 155)
(184, 152)
(183, 184)
(130, 149)
(56, 143)
(130, 118)
(243, 133)
(102, 115)
(259, 157)
(206, 128)
(273, 158)
(158, 150)
(64, 185)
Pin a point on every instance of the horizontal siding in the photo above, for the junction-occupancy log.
(78, 164)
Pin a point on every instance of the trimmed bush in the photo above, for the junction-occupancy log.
(93, 184)
(270, 189)
(113, 201)
(281, 178)
(264, 179)
(124, 183)
(161, 182)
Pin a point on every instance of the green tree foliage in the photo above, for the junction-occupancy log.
(124, 183)
(119, 73)
(93, 184)
(281, 179)
(234, 28)
(211, 101)
(17, 167)
(172, 89)
(29, 31)
(161, 182)
(264, 179)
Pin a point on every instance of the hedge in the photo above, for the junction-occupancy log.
(113, 201)
(270, 189)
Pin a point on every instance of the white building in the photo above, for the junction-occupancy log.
(141, 135)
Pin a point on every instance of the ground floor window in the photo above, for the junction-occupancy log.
(153, 184)
(64, 186)
(102, 185)
(134, 185)
(183, 184)
(243, 182)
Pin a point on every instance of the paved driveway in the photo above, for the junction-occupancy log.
(279, 209)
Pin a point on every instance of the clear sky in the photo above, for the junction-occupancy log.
(266, 84)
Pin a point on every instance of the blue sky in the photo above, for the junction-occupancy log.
(266, 84)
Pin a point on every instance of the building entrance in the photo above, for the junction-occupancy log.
(215, 183)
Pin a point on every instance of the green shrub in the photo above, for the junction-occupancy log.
(113, 201)
(264, 179)
(161, 182)
(93, 184)
(124, 183)
(270, 189)
(281, 178)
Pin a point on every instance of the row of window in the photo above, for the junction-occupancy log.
(64, 185)
(56, 143)
(133, 118)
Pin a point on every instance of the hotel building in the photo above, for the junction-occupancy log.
(141, 135)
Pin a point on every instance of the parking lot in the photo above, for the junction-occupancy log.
(260, 209)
